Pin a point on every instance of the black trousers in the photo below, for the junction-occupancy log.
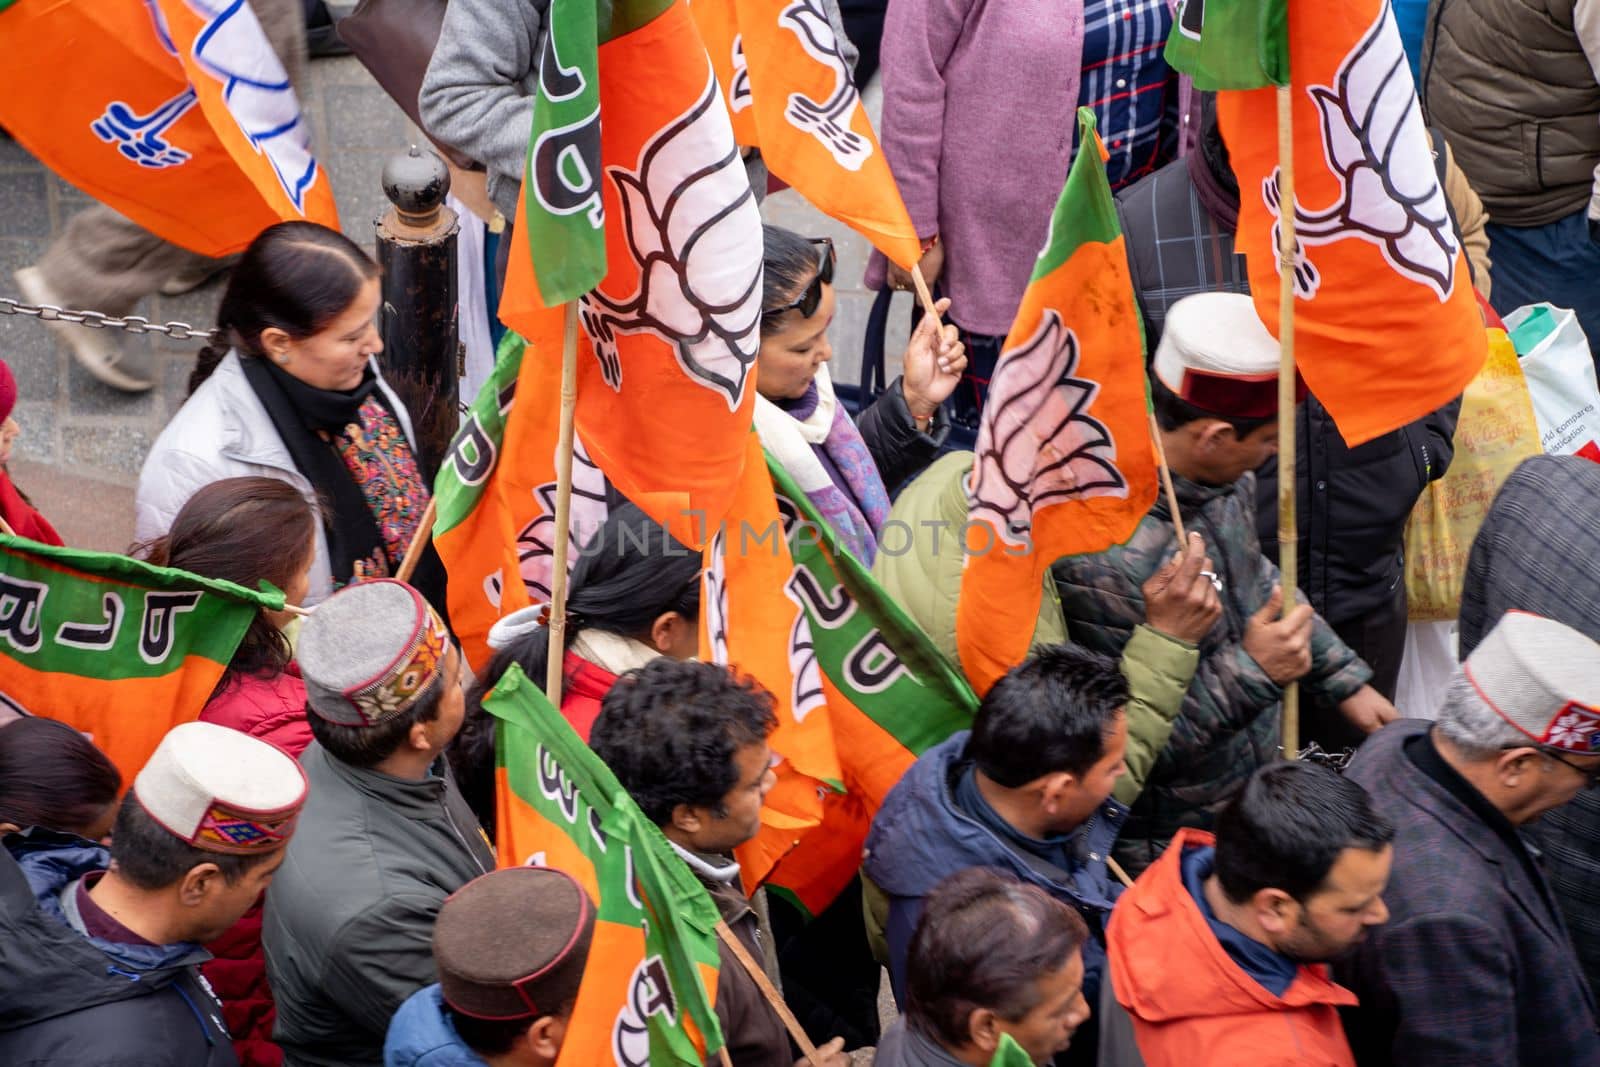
(1379, 637)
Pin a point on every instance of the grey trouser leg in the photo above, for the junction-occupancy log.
(104, 261)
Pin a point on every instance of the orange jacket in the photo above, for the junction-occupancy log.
(1191, 1004)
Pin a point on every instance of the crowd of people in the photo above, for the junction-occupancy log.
(1114, 865)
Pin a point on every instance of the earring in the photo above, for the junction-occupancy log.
(282, 359)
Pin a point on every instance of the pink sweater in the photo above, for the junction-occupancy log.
(979, 107)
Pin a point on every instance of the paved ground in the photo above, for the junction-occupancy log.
(83, 443)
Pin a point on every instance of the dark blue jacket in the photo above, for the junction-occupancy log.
(69, 999)
(920, 837)
(421, 1036)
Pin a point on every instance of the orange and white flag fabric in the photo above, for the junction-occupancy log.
(791, 95)
(175, 112)
(1386, 328)
(1064, 464)
(667, 348)
(753, 621)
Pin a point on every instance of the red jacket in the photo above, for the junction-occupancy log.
(22, 516)
(584, 687)
(1192, 1004)
(273, 709)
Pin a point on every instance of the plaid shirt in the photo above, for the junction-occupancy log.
(1127, 82)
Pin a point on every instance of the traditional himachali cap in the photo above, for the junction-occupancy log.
(370, 652)
(1542, 677)
(512, 944)
(221, 790)
(1215, 353)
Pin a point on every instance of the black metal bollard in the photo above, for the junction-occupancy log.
(416, 245)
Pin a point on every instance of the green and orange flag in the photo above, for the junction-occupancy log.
(496, 490)
(1231, 44)
(121, 650)
(1386, 326)
(752, 622)
(1064, 463)
(791, 95)
(649, 987)
(175, 112)
(641, 211)
(888, 693)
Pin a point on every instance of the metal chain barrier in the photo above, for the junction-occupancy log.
(99, 320)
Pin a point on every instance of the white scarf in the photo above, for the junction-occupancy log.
(788, 439)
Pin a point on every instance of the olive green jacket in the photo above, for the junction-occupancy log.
(925, 579)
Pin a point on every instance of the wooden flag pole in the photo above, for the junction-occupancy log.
(773, 997)
(1288, 524)
(558, 562)
(924, 294)
(419, 540)
(1166, 482)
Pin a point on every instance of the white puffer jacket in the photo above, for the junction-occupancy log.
(224, 431)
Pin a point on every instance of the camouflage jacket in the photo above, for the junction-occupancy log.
(1229, 724)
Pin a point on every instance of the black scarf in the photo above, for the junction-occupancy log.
(301, 414)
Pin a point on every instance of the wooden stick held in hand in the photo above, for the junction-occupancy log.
(924, 294)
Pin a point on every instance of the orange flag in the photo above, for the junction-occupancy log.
(175, 112)
(1064, 459)
(789, 91)
(752, 621)
(1386, 326)
(669, 337)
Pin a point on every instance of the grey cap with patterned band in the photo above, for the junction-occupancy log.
(370, 652)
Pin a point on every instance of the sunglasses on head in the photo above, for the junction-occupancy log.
(811, 296)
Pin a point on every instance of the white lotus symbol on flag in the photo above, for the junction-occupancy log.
(828, 120)
(1038, 444)
(807, 695)
(537, 540)
(694, 231)
(739, 92)
(233, 49)
(1375, 143)
(714, 599)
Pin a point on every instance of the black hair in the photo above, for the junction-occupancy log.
(488, 1037)
(1286, 828)
(368, 746)
(1172, 412)
(788, 263)
(53, 776)
(627, 576)
(984, 940)
(1050, 713)
(150, 856)
(295, 276)
(670, 730)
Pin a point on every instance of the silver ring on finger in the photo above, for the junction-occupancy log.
(1216, 582)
